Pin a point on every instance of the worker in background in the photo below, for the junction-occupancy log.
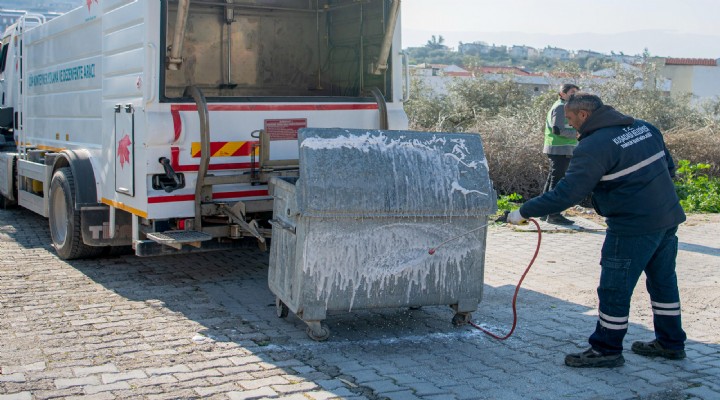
(560, 141)
(624, 163)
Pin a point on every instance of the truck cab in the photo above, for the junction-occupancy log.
(10, 77)
(8, 85)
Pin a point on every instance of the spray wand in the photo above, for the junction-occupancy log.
(502, 218)
(433, 249)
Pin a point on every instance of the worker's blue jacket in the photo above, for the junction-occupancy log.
(624, 163)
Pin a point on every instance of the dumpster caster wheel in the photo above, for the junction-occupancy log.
(280, 308)
(461, 318)
(318, 331)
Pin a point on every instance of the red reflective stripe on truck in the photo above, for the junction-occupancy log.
(278, 107)
(221, 195)
(175, 162)
(177, 122)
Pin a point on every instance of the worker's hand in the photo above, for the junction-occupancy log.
(515, 218)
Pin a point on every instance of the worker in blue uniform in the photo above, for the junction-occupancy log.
(624, 163)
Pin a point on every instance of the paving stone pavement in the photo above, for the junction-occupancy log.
(205, 326)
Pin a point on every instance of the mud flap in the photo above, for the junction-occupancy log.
(7, 176)
(96, 227)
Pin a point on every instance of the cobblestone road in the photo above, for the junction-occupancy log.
(204, 326)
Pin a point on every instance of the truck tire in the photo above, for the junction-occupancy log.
(65, 228)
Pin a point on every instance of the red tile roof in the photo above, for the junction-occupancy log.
(504, 70)
(691, 61)
(457, 73)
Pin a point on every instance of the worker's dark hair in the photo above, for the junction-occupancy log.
(566, 87)
(583, 101)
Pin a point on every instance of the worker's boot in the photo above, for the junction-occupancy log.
(592, 358)
(558, 219)
(654, 349)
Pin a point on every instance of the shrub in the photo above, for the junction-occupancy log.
(697, 192)
(511, 122)
(697, 145)
(508, 202)
(426, 111)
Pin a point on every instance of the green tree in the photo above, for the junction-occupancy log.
(436, 42)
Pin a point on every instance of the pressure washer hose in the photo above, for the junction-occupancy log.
(517, 288)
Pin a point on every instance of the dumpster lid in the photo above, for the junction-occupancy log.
(367, 173)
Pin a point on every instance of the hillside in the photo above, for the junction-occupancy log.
(469, 56)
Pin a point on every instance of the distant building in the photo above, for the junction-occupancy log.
(438, 78)
(503, 70)
(533, 84)
(698, 76)
(477, 48)
(522, 52)
(623, 58)
(662, 84)
(439, 70)
(555, 53)
(589, 54)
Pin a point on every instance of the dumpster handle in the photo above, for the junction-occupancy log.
(282, 224)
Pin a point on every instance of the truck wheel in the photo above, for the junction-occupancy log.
(65, 220)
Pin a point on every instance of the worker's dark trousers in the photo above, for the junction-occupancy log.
(558, 166)
(623, 259)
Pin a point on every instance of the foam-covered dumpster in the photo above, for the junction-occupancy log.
(354, 229)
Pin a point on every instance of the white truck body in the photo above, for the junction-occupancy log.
(100, 94)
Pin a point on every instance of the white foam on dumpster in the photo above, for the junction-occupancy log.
(456, 187)
(408, 175)
(375, 257)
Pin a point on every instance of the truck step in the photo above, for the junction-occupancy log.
(177, 238)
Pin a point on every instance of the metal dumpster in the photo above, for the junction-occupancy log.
(354, 229)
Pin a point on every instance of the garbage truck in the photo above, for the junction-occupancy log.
(157, 124)
(178, 126)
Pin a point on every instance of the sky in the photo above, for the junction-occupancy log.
(669, 28)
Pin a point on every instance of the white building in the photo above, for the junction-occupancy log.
(698, 76)
(589, 54)
(522, 52)
(556, 53)
(438, 78)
